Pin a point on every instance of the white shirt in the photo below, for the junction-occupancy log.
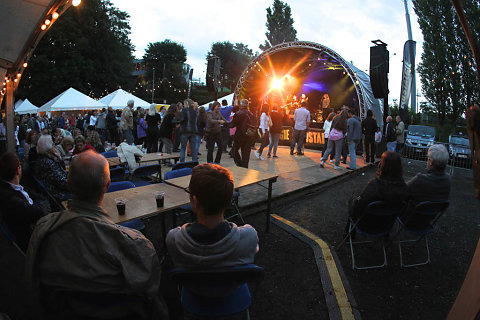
(93, 120)
(18, 187)
(302, 118)
(327, 126)
(264, 122)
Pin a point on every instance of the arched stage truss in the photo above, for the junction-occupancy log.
(361, 80)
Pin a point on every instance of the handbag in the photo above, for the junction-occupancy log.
(335, 135)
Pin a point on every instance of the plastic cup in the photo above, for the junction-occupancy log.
(160, 198)
(121, 204)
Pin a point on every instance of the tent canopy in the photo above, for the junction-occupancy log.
(119, 98)
(71, 99)
(229, 99)
(26, 107)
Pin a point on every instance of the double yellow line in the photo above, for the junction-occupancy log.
(338, 288)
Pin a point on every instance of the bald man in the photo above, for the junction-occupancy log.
(82, 249)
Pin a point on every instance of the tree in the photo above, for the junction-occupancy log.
(448, 75)
(88, 48)
(168, 58)
(233, 58)
(279, 25)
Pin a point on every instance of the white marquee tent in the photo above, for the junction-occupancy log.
(229, 99)
(119, 98)
(25, 107)
(71, 99)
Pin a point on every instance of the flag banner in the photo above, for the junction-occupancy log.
(407, 74)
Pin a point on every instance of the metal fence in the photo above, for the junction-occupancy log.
(459, 155)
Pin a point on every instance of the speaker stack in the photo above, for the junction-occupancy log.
(379, 70)
(213, 72)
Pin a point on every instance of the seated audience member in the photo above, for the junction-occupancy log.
(50, 168)
(387, 186)
(65, 147)
(433, 185)
(93, 138)
(212, 241)
(81, 145)
(82, 250)
(30, 145)
(18, 210)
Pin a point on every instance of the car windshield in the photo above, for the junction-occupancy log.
(459, 141)
(422, 131)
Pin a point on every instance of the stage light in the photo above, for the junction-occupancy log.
(55, 15)
(76, 2)
(43, 27)
(277, 84)
(25, 64)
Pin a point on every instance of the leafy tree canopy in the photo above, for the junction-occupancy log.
(234, 58)
(447, 70)
(88, 48)
(279, 25)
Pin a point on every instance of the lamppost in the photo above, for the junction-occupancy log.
(153, 83)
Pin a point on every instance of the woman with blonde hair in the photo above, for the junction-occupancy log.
(152, 119)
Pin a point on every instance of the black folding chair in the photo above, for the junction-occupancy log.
(420, 223)
(375, 223)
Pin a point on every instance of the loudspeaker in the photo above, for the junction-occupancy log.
(209, 79)
(379, 66)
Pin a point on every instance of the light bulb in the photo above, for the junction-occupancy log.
(76, 2)
(25, 64)
(55, 15)
(47, 22)
(43, 27)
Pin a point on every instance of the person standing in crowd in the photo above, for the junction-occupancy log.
(327, 126)
(61, 121)
(111, 124)
(79, 122)
(96, 256)
(243, 121)
(214, 135)
(71, 121)
(188, 129)
(302, 121)
(275, 130)
(400, 130)
(101, 125)
(93, 119)
(369, 127)
(153, 119)
(226, 110)
(126, 122)
(390, 135)
(141, 127)
(201, 127)
(354, 135)
(167, 127)
(177, 131)
(335, 138)
(264, 131)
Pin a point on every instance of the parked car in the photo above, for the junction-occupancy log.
(459, 150)
(418, 140)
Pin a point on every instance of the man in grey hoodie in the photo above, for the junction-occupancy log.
(354, 135)
(211, 241)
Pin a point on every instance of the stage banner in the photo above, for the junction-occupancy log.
(407, 77)
(315, 137)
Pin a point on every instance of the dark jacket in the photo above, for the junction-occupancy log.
(111, 121)
(152, 123)
(354, 129)
(18, 214)
(277, 121)
(167, 126)
(390, 134)
(242, 120)
(369, 126)
(340, 122)
(188, 121)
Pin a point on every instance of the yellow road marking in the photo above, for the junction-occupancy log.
(337, 284)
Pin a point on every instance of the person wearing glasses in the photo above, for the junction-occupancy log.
(211, 241)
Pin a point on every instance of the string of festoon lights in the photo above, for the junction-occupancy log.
(50, 18)
(163, 81)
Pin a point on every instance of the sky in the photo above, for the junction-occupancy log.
(345, 26)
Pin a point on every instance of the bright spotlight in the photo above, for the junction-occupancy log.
(76, 2)
(277, 84)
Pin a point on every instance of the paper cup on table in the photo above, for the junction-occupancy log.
(121, 204)
(160, 198)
